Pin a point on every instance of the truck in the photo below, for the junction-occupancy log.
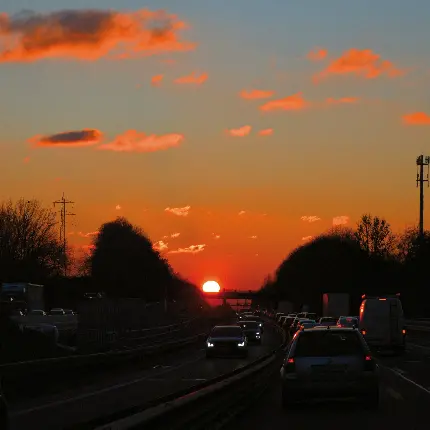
(335, 305)
(23, 295)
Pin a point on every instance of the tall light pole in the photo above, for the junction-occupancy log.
(421, 178)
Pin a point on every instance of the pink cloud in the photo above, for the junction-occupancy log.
(256, 94)
(156, 80)
(266, 132)
(240, 132)
(193, 78)
(135, 141)
(294, 102)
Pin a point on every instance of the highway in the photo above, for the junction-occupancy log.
(405, 402)
(122, 390)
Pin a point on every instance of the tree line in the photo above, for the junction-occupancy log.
(369, 259)
(122, 262)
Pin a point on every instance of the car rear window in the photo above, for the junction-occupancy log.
(227, 331)
(328, 320)
(328, 344)
(348, 320)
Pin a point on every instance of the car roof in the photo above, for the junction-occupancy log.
(334, 328)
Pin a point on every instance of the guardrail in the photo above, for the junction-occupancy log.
(202, 405)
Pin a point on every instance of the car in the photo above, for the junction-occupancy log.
(296, 324)
(259, 320)
(307, 324)
(347, 322)
(326, 321)
(329, 362)
(252, 330)
(226, 340)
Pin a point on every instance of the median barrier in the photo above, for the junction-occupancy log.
(200, 406)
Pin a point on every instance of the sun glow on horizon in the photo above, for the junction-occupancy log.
(211, 287)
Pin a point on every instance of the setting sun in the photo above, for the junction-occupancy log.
(211, 287)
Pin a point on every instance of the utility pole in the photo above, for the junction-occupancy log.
(421, 162)
(63, 219)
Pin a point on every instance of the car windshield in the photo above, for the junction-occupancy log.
(250, 325)
(328, 344)
(226, 332)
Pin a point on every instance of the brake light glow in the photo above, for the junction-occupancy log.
(382, 299)
(363, 332)
(368, 358)
(403, 331)
(290, 361)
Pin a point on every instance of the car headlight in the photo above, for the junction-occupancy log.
(258, 333)
(260, 325)
(209, 344)
(241, 344)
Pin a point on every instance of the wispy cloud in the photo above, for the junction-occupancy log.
(266, 132)
(310, 218)
(192, 249)
(256, 94)
(307, 238)
(89, 234)
(68, 139)
(193, 78)
(184, 211)
(118, 207)
(89, 34)
(317, 54)
(135, 141)
(26, 160)
(216, 236)
(253, 237)
(363, 63)
(290, 103)
(416, 118)
(160, 246)
(156, 80)
(240, 132)
(242, 213)
(341, 220)
(342, 100)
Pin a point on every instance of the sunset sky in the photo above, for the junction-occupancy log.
(230, 131)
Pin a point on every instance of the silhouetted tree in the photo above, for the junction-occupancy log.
(29, 246)
(123, 263)
(374, 236)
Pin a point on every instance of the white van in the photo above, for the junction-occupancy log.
(382, 322)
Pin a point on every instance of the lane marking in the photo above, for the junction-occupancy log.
(194, 379)
(408, 380)
(396, 369)
(98, 392)
(393, 393)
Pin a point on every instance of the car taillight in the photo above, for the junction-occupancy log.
(290, 365)
(363, 332)
(404, 331)
(369, 363)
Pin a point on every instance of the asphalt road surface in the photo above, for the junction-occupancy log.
(121, 391)
(404, 402)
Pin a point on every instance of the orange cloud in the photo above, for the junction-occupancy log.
(293, 102)
(253, 237)
(317, 54)
(156, 80)
(216, 236)
(118, 207)
(160, 246)
(307, 238)
(341, 220)
(256, 94)
(416, 118)
(90, 234)
(192, 249)
(242, 213)
(68, 139)
(240, 132)
(194, 78)
(266, 132)
(135, 141)
(311, 218)
(343, 100)
(363, 63)
(89, 34)
(184, 211)
(26, 160)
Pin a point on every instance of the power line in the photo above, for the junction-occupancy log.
(421, 162)
(63, 223)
